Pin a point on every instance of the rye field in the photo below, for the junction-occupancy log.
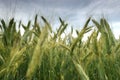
(42, 54)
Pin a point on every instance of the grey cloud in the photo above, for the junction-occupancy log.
(66, 3)
(70, 8)
(49, 3)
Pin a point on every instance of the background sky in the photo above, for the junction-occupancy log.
(75, 12)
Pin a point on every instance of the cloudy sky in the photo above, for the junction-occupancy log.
(74, 12)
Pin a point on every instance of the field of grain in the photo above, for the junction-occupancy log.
(42, 54)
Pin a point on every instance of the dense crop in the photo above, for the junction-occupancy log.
(42, 54)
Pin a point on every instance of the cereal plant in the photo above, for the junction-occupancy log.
(42, 54)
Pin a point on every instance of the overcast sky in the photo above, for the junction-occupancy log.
(73, 11)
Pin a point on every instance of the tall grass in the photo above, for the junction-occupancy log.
(40, 55)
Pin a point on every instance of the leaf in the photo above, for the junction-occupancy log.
(46, 22)
(4, 25)
(83, 75)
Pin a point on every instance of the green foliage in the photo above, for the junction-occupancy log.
(41, 54)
